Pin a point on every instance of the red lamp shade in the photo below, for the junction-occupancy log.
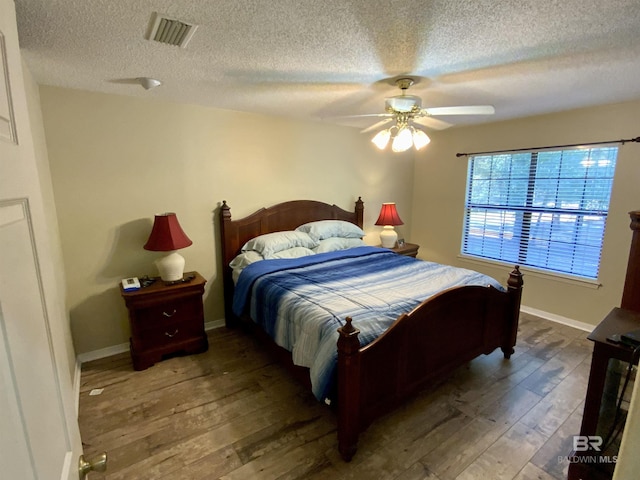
(166, 234)
(389, 215)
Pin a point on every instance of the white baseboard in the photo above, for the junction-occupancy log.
(587, 327)
(124, 347)
(215, 324)
(103, 353)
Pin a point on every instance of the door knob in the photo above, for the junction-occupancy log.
(95, 464)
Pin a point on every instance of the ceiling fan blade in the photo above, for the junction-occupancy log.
(363, 116)
(377, 125)
(432, 123)
(466, 110)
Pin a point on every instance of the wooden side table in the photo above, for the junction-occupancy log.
(408, 249)
(166, 319)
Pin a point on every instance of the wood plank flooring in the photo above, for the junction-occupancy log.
(234, 413)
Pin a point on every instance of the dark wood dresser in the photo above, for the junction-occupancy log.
(166, 319)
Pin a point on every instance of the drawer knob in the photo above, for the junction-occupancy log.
(169, 314)
(171, 335)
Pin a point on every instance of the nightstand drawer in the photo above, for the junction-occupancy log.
(174, 312)
(166, 333)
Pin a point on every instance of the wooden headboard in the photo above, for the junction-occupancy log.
(283, 216)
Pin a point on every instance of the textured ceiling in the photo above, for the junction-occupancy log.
(317, 59)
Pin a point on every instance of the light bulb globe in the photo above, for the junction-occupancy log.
(402, 141)
(420, 139)
(381, 139)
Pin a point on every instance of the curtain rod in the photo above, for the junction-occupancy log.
(637, 140)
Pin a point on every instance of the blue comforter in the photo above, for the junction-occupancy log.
(301, 302)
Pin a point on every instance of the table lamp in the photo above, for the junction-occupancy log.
(168, 236)
(388, 218)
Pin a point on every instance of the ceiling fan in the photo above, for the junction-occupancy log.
(405, 111)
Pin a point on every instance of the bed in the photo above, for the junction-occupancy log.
(420, 346)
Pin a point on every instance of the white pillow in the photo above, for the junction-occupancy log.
(331, 228)
(245, 259)
(337, 243)
(294, 252)
(275, 242)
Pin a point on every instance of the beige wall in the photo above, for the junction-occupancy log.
(116, 161)
(440, 182)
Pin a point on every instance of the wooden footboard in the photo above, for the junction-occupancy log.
(424, 345)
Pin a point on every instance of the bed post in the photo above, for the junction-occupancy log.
(227, 280)
(630, 297)
(514, 289)
(360, 212)
(348, 390)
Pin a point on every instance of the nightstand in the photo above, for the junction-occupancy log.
(408, 249)
(166, 319)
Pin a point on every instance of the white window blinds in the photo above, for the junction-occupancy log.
(546, 209)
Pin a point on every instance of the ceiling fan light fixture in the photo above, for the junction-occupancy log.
(420, 139)
(381, 139)
(405, 111)
(402, 141)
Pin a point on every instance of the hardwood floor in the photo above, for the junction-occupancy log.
(234, 413)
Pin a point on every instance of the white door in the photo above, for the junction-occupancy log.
(39, 436)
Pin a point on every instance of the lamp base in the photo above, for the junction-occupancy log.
(388, 237)
(171, 267)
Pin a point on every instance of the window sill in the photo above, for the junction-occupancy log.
(534, 272)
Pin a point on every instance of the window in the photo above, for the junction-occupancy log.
(544, 208)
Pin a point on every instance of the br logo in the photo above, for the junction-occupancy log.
(582, 443)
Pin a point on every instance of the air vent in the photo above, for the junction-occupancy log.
(170, 31)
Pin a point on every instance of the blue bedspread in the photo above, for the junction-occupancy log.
(301, 302)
